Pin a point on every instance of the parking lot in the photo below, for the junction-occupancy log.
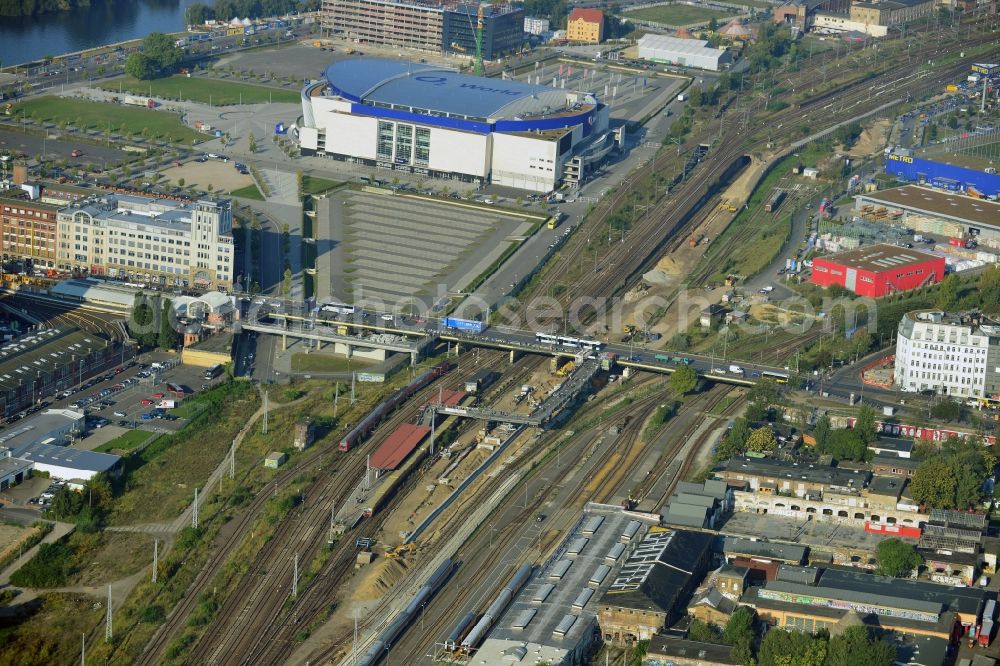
(222, 176)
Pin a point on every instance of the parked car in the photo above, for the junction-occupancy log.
(145, 401)
(120, 413)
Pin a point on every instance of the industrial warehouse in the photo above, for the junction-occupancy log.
(935, 211)
(878, 270)
(430, 120)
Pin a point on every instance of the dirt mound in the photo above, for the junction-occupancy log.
(379, 578)
(669, 265)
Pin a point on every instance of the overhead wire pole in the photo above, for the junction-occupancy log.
(156, 557)
(194, 510)
(108, 631)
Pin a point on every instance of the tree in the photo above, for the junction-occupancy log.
(865, 425)
(740, 625)
(952, 477)
(791, 648)
(140, 323)
(300, 182)
(946, 410)
(703, 632)
(168, 337)
(158, 56)
(180, 182)
(756, 412)
(897, 558)
(989, 290)
(253, 144)
(713, 25)
(855, 646)
(822, 431)
(761, 440)
(845, 444)
(734, 444)
(948, 292)
(684, 379)
(933, 484)
(140, 66)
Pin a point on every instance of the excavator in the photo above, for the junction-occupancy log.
(399, 551)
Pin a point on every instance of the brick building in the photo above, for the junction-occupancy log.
(28, 230)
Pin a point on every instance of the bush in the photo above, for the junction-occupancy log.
(152, 614)
(49, 568)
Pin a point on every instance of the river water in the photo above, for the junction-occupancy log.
(29, 38)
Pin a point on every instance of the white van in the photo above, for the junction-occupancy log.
(388, 318)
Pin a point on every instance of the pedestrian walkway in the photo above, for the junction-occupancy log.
(59, 531)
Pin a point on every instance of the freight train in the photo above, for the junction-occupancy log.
(361, 431)
(407, 616)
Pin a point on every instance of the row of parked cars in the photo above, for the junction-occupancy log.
(101, 397)
(45, 498)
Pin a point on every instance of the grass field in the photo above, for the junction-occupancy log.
(324, 363)
(206, 91)
(676, 14)
(102, 116)
(315, 185)
(163, 477)
(249, 192)
(126, 442)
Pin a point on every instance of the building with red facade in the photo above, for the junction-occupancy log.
(878, 270)
(28, 230)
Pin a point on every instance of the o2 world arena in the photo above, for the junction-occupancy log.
(426, 119)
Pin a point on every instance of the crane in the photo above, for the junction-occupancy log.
(479, 40)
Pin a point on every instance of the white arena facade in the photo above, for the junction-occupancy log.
(425, 119)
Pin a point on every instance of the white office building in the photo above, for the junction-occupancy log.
(149, 240)
(536, 26)
(956, 355)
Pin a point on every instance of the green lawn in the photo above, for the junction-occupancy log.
(676, 14)
(101, 116)
(206, 91)
(126, 442)
(249, 192)
(324, 363)
(315, 185)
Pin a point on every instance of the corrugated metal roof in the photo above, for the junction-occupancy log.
(582, 598)
(592, 524)
(615, 552)
(543, 592)
(560, 568)
(674, 45)
(523, 618)
(600, 573)
(577, 546)
(565, 624)
(65, 456)
(398, 445)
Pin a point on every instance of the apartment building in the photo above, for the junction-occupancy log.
(28, 230)
(536, 26)
(412, 25)
(951, 354)
(154, 241)
(585, 26)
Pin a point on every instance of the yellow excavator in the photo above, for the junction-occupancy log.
(399, 551)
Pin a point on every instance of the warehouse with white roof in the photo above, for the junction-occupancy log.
(683, 52)
(426, 119)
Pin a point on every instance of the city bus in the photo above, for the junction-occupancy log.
(212, 373)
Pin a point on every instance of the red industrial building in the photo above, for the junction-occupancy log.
(878, 270)
(398, 445)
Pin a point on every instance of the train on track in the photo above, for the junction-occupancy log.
(475, 635)
(381, 646)
(359, 432)
(567, 341)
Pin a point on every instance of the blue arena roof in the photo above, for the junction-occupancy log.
(437, 90)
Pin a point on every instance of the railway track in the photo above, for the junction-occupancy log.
(258, 621)
(104, 325)
(335, 466)
(480, 554)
